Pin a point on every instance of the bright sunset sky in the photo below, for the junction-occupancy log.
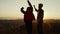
(10, 9)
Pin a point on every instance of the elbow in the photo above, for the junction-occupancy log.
(21, 10)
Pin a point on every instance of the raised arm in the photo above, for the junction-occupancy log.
(35, 8)
(22, 10)
(29, 3)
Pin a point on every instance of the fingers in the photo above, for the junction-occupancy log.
(22, 8)
(27, 0)
(34, 5)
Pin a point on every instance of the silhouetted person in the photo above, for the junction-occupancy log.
(40, 18)
(28, 17)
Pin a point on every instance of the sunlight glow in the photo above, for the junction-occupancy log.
(10, 9)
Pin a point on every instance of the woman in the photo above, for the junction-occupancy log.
(28, 17)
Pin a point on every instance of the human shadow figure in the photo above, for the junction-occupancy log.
(40, 16)
(28, 17)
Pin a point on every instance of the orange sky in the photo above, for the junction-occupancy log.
(10, 9)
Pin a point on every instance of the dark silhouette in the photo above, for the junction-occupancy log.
(28, 17)
(40, 18)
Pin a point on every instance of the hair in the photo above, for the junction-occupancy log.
(29, 9)
(40, 5)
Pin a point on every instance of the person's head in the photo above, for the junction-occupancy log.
(29, 9)
(40, 6)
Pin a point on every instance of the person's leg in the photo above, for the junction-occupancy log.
(29, 27)
(40, 27)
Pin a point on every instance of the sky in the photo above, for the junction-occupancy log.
(10, 9)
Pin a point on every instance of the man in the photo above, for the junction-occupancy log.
(40, 16)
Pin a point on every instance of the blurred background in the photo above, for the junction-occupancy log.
(11, 18)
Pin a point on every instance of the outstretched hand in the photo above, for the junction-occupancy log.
(34, 6)
(22, 8)
(27, 0)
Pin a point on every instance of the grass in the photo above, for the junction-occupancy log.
(15, 27)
